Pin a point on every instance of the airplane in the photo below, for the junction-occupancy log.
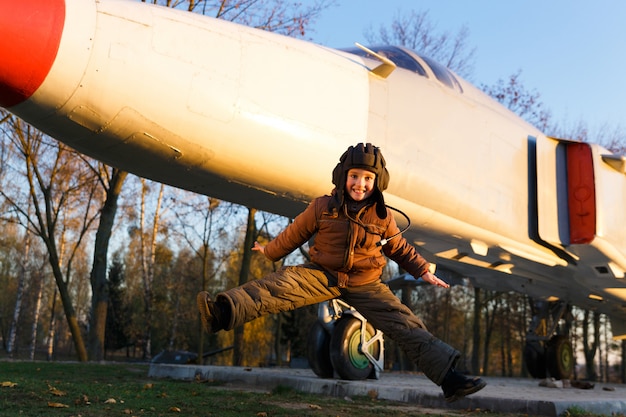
(260, 119)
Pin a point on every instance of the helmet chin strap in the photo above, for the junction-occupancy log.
(382, 241)
(408, 220)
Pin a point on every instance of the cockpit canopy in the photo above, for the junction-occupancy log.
(409, 60)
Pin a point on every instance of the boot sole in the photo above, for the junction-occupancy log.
(461, 393)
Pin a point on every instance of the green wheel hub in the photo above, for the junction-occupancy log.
(357, 358)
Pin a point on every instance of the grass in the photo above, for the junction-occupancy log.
(124, 389)
(94, 390)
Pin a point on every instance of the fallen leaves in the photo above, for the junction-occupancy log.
(56, 392)
(83, 400)
(57, 405)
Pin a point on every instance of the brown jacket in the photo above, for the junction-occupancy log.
(346, 249)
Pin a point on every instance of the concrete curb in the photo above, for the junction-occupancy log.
(504, 395)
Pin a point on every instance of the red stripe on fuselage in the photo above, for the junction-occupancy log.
(581, 192)
(30, 33)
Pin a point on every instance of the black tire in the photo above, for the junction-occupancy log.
(560, 357)
(318, 351)
(345, 349)
(535, 357)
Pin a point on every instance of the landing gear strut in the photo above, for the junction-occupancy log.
(548, 351)
(342, 342)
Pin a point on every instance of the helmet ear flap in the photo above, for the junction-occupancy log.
(340, 181)
(338, 172)
(382, 180)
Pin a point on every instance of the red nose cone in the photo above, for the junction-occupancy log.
(30, 32)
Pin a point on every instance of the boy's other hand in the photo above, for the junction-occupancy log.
(435, 280)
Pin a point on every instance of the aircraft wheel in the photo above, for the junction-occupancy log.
(535, 357)
(345, 349)
(318, 351)
(560, 357)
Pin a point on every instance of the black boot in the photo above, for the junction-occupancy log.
(456, 386)
(212, 313)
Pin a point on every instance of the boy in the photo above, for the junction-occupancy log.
(353, 231)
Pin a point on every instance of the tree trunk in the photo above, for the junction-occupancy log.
(205, 282)
(590, 348)
(606, 349)
(24, 269)
(243, 278)
(489, 316)
(503, 347)
(508, 339)
(148, 266)
(623, 364)
(52, 326)
(491, 307)
(33, 332)
(476, 333)
(99, 288)
(175, 320)
(68, 308)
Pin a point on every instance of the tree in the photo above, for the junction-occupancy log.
(116, 318)
(526, 104)
(622, 370)
(475, 367)
(244, 273)
(279, 16)
(148, 255)
(23, 271)
(491, 307)
(204, 224)
(10, 243)
(111, 180)
(39, 287)
(590, 346)
(61, 192)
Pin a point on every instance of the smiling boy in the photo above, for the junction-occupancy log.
(354, 232)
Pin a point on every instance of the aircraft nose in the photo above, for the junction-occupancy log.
(30, 33)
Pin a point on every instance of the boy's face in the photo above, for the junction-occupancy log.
(360, 184)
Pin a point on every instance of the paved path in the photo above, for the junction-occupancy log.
(505, 395)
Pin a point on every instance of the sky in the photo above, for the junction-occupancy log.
(571, 52)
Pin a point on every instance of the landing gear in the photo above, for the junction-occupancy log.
(535, 358)
(343, 343)
(349, 356)
(318, 351)
(545, 353)
(560, 357)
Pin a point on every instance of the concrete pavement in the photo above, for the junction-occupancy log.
(504, 395)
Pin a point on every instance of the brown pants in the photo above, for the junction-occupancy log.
(292, 287)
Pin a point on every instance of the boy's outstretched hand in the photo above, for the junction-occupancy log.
(257, 247)
(435, 280)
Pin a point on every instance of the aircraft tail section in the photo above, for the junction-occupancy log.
(581, 195)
